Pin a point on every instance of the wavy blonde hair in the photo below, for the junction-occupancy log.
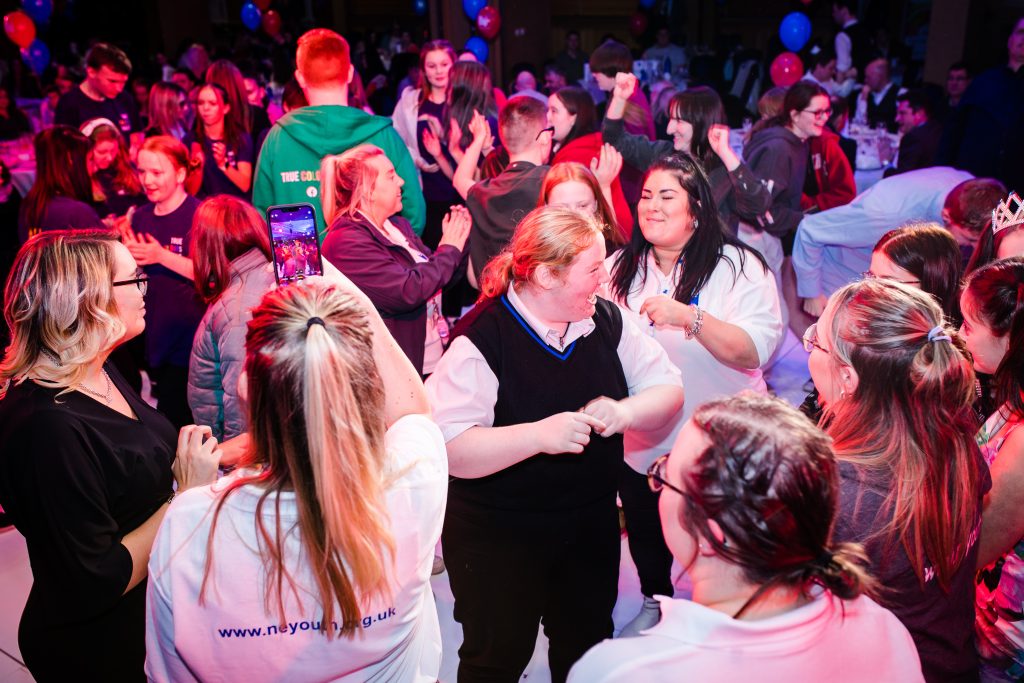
(59, 305)
(316, 406)
(347, 181)
(548, 236)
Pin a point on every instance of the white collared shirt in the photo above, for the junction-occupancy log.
(748, 299)
(464, 390)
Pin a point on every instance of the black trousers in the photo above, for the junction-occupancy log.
(171, 394)
(510, 571)
(647, 544)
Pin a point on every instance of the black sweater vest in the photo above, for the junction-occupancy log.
(535, 381)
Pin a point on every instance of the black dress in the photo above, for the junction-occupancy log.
(75, 478)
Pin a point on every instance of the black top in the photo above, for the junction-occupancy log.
(941, 623)
(75, 478)
(173, 307)
(60, 213)
(536, 381)
(497, 205)
(75, 108)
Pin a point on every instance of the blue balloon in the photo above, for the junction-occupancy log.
(39, 10)
(647, 4)
(251, 16)
(419, 7)
(478, 46)
(36, 56)
(473, 7)
(795, 31)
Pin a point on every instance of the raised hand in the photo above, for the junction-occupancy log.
(607, 165)
(455, 228)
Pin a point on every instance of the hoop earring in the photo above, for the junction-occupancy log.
(696, 223)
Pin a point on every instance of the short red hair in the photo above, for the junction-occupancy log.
(323, 58)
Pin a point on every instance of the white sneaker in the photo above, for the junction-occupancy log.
(649, 615)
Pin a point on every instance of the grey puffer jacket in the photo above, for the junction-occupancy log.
(218, 350)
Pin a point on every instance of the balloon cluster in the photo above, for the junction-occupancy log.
(795, 31)
(20, 27)
(257, 14)
(488, 25)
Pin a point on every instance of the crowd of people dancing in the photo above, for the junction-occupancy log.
(540, 329)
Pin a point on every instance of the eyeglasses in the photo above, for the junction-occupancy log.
(142, 282)
(868, 275)
(810, 339)
(819, 113)
(549, 129)
(655, 478)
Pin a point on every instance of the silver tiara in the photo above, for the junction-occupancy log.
(1008, 213)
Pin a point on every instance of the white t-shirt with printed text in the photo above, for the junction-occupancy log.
(232, 637)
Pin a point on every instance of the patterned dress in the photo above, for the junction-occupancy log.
(999, 620)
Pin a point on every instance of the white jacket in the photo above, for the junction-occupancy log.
(404, 119)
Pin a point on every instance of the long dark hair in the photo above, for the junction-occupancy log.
(704, 250)
(930, 253)
(232, 131)
(798, 97)
(578, 101)
(471, 90)
(702, 108)
(62, 170)
(996, 295)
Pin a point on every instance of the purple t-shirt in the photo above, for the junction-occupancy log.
(173, 307)
(941, 624)
(61, 213)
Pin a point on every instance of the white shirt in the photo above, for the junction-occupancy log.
(844, 49)
(463, 390)
(827, 639)
(750, 301)
(232, 637)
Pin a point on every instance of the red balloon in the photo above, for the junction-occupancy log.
(272, 22)
(20, 28)
(264, 5)
(786, 70)
(638, 24)
(488, 22)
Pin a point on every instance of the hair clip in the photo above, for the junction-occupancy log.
(1008, 213)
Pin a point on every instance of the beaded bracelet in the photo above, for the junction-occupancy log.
(698, 320)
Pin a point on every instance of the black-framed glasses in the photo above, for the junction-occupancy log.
(868, 275)
(656, 478)
(549, 129)
(142, 282)
(819, 113)
(810, 339)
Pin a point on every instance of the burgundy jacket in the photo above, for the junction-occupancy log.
(397, 285)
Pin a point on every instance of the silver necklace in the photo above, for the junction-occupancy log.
(104, 396)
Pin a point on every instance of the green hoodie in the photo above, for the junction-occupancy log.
(288, 169)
